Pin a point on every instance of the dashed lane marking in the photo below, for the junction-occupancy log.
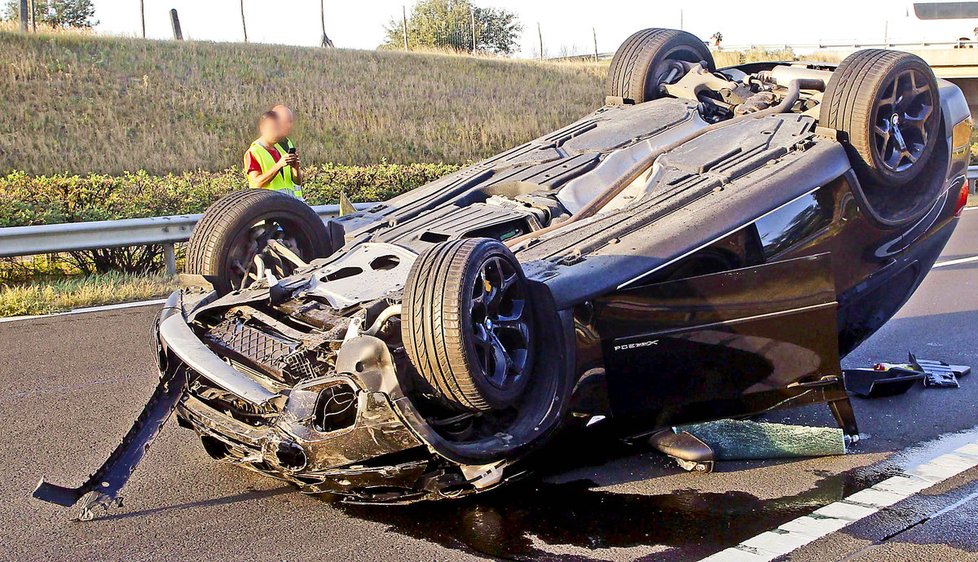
(955, 262)
(835, 516)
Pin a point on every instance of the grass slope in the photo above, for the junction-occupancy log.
(81, 103)
(45, 297)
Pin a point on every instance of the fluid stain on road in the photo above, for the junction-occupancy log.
(516, 521)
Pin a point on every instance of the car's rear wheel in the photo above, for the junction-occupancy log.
(238, 228)
(468, 323)
(886, 105)
(653, 57)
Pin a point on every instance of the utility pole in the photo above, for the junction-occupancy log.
(540, 34)
(244, 25)
(681, 22)
(25, 16)
(404, 25)
(595, 33)
(175, 23)
(472, 15)
(142, 15)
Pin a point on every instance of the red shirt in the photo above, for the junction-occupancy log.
(253, 165)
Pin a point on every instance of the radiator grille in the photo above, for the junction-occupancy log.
(253, 343)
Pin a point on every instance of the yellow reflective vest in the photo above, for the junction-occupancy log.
(282, 180)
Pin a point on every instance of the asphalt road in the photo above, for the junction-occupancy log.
(71, 385)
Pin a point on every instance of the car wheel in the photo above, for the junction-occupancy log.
(651, 58)
(467, 325)
(886, 105)
(238, 227)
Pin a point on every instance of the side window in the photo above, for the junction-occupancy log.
(795, 222)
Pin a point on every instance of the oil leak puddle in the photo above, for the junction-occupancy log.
(535, 518)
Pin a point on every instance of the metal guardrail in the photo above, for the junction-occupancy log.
(69, 237)
(165, 231)
(804, 48)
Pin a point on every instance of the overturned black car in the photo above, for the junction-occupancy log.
(706, 245)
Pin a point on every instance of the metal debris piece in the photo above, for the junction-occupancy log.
(691, 454)
(939, 373)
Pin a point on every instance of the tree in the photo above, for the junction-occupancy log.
(447, 24)
(57, 13)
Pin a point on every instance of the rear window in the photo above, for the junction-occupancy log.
(795, 222)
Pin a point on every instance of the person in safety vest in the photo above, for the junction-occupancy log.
(270, 166)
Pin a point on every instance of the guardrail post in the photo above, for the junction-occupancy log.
(170, 258)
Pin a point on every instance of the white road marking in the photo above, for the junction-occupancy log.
(833, 517)
(104, 308)
(955, 262)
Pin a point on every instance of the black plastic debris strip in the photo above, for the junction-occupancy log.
(879, 383)
(890, 379)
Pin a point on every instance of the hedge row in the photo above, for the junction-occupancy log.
(31, 200)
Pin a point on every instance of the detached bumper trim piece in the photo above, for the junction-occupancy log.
(103, 486)
(182, 341)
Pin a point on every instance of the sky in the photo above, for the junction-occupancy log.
(566, 25)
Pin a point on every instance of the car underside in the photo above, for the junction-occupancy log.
(707, 245)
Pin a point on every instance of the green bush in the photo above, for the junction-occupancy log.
(32, 200)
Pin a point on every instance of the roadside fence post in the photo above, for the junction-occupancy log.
(24, 16)
(175, 22)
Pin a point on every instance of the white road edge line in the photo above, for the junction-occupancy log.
(955, 262)
(833, 517)
(103, 308)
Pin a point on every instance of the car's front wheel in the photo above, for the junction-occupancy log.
(468, 323)
(238, 228)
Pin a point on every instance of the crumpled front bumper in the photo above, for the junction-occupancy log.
(374, 457)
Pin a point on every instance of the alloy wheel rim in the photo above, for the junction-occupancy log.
(252, 243)
(903, 115)
(500, 323)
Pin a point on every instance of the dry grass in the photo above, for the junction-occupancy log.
(45, 297)
(79, 103)
(732, 58)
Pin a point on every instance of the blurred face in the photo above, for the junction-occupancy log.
(270, 130)
(285, 119)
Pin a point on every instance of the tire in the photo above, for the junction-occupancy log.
(225, 234)
(474, 347)
(641, 64)
(865, 98)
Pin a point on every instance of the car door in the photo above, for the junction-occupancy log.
(721, 345)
